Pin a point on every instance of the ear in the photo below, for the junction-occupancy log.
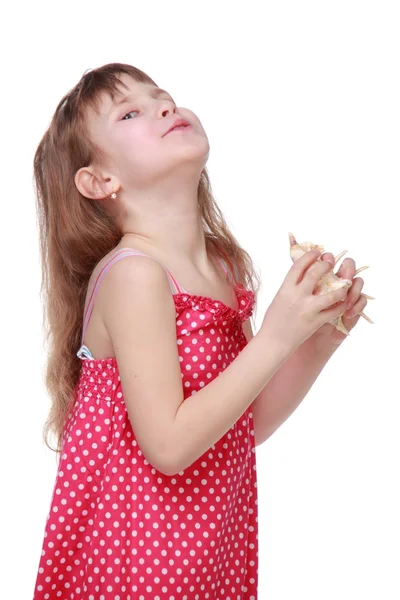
(95, 186)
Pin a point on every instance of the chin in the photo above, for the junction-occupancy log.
(199, 148)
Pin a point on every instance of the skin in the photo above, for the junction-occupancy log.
(155, 177)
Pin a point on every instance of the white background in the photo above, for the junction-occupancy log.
(301, 103)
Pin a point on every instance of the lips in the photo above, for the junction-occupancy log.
(178, 123)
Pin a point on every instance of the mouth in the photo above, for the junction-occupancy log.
(180, 128)
(179, 125)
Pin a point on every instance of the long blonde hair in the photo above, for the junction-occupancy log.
(76, 234)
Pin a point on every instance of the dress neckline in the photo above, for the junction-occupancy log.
(210, 300)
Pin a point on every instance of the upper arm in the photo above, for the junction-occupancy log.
(139, 314)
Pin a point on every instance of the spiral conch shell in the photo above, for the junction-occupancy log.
(330, 281)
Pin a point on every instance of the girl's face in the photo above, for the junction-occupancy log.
(134, 136)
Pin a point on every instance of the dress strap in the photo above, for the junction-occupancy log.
(227, 270)
(118, 255)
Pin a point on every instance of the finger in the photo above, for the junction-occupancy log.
(347, 269)
(350, 322)
(357, 308)
(314, 274)
(328, 256)
(355, 292)
(296, 271)
(327, 301)
(331, 313)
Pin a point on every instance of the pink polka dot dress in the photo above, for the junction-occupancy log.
(117, 528)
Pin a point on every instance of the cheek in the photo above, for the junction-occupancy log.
(136, 144)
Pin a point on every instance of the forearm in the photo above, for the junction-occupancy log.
(288, 387)
(202, 419)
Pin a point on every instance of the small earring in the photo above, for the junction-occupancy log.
(113, 195)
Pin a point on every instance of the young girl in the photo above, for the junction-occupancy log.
(153, 367)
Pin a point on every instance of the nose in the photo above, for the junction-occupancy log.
(166, 108)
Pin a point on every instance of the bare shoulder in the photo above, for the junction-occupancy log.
(135, 284)
(140, 317)
(134, 266)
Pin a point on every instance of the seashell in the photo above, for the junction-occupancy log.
(330, 281)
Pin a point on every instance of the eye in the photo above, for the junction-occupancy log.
(128, 113)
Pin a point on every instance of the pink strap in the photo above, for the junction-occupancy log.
(121, 253)
(225, 268)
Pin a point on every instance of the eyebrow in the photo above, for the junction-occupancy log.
(155, 93)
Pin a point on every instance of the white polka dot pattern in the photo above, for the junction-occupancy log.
(118, 529)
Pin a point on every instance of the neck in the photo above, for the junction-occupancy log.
(167, 224)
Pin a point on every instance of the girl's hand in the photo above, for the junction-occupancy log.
(296, 313)
(355, 303)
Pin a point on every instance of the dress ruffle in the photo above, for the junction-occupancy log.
(245, 297)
